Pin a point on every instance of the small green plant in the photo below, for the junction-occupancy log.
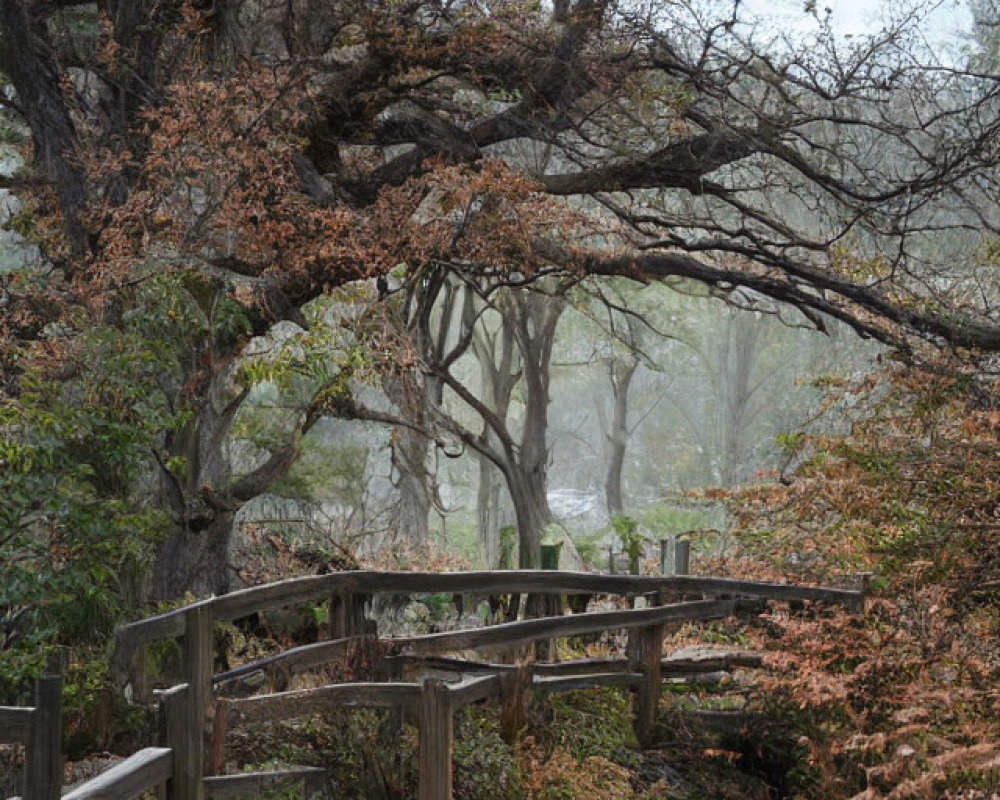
(586, 723)
(485, 765)
(789, 442)
(11, 134)
(508, 543)
(633, 542)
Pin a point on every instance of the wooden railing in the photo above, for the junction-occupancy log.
(149, 769)
(38, 728)
(421, 684)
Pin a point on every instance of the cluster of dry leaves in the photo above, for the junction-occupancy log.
(901, 702)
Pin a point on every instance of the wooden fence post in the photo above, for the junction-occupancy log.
(682, 556)
(44, 767)
(186, 741)
(546, 605)
(436, 740)
(347, 615)
(646, 645)
(220, 726)
(667, 555)
(199, 656)
(514, 683)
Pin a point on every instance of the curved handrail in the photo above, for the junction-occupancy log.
(294, 591)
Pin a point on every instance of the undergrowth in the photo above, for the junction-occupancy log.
(902, 701)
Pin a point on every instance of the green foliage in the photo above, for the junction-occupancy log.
(94, 714)
(627, 530)
(589, 549)
(668, 517)
(724, 633)
(366, 753)
(790, 442)
(25, 224)
(508, 544)
(486, 767)
(10, 133)
(585, 723)
(460, 536)
(69, 550)
(74, 539)
(504, 95)
(332, 471)
(230, 320)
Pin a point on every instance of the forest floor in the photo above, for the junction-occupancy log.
(902, 701)
(898, 702)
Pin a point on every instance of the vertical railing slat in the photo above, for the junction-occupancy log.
(436, 740)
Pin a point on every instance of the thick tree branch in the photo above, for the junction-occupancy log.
(682, 165)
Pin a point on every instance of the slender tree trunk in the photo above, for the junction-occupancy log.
(204, 496)
(738, 353)
(536, 318)
(531, 509)
(415, 486)
(621, 373)
(499, 373)
(490, 516)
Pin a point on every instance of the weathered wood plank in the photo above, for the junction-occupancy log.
(669, 666)
(199, 655)
(710, 662)
(437, 735)
(646, 660)
(128, 779)
(220, 727)
(567, 683)
(43, 753)
(472, 690)
(295, 659)
(512, 709)
(511, 634)
(15, 723)
(581, 667)
(445, 664)
(347, 615)
(168, 625)
(180, 736)
(295, 591)
(507, 634)
(303, 702)
(220, 787)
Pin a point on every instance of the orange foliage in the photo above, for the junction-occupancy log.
(905, 694)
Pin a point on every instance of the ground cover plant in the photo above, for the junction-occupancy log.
(900, 702)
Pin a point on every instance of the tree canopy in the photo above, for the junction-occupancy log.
(199, 173)
(286, 150)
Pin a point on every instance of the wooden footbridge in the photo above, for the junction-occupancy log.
(424, 679)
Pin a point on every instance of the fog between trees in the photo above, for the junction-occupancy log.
(261, 218)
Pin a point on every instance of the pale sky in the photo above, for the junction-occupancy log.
(944, 25)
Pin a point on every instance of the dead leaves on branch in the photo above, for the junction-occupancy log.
(219, 188)
(907, 693)
(218, 183)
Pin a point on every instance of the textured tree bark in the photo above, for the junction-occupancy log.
(194, 560)
(27, 59)
(532, 512)
(622, 373)
(489, 512)
(414, 484)
(499, 372)
(203, 501)
(738, 352)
